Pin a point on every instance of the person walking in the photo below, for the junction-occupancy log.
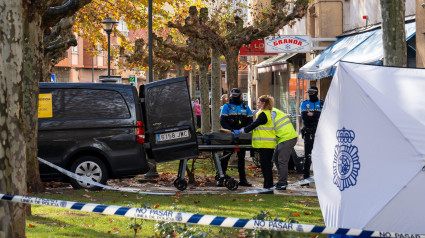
(234, 115)
(310, 113)
(286, 138)
(263, 138)
(198, 113)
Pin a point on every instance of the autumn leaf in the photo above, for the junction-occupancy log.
(111, 219)
(31, 225)
(260, 200)
(201, 185)
(308, 213)
(156, 205)
(116, 228)
(196, 202)
(86, 196)
(296, 214)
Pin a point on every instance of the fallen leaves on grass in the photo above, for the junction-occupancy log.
(296, 214)
(156, 205)
(308, 213)
(31, 225)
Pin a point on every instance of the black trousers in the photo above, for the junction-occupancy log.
(241, 163)
(266, 164)
(308, 147)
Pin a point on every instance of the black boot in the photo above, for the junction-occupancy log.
(244, 182)
(220, 182)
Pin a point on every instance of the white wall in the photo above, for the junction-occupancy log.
(298, 29)
(354, 10)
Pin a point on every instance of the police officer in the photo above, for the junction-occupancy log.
(310, 114)
(234, 115)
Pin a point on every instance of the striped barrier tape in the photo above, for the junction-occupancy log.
(80, 178)
(302, 182)
(198, 219)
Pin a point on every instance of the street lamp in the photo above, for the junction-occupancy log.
(108, 25)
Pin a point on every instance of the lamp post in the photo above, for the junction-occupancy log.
(108, 25)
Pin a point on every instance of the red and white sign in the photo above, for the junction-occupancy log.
(255, 48)
(287, 44)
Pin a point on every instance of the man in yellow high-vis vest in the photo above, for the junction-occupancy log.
(286, 138)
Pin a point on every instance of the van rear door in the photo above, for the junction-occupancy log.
(167, 114)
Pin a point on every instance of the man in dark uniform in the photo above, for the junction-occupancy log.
(234, 116)
(310, 114)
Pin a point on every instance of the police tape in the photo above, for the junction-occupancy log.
(198, 219)
(264, 190)
(80, 178)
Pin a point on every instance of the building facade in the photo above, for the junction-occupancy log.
(338, 25)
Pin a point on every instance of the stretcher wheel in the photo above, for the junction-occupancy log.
(180, 184)
(231, 184)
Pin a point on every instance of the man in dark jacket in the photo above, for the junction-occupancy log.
(310, 114)
(234, 116)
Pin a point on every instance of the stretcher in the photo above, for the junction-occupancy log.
(230, 183)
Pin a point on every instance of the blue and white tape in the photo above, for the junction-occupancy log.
(302, 182)
(80, 178)
(198, 219)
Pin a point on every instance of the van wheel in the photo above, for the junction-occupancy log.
(92, 169)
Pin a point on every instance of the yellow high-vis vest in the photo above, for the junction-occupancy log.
(264, 136)
(283, 127)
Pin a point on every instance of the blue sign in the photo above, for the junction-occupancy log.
(346, 163)
(53, 78)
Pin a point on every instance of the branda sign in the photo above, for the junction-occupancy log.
(287, 44)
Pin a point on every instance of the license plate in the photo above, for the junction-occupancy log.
(172, 135)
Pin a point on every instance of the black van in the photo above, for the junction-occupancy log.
(102, 131)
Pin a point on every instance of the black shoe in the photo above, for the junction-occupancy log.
(305, 185)
(244, 182)
(280, 187)
(220, 182)
(267, 192)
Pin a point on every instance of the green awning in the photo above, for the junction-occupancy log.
(276, 63)
(279, 59)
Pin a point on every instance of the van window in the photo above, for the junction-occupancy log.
(166, 110)
(88, 104)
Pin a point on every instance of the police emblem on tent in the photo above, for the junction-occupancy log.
(346, 163)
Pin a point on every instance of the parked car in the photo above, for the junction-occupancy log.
(101, 131)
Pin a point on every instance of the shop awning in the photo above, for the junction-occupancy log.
(274, 63)
(360, 48)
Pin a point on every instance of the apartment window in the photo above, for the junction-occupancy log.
(75, 49)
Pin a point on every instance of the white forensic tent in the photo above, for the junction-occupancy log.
(369, 151)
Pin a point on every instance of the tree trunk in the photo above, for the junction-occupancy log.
(204, 90)
(179, 69)
(193, 82)
(231, 56)
(215, 90)
(32, 68)
(393, 32)
(12, 146)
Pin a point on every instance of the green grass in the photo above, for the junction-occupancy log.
(56, 222)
